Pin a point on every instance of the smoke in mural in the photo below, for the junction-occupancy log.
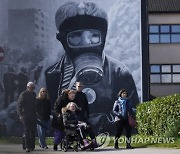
(57, 43)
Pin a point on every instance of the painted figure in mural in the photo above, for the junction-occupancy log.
(1, 88)
(9, 83)
(37, 73)
(22, 79)
(26, 110)
(82, 31)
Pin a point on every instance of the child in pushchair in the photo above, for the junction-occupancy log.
(75, 133)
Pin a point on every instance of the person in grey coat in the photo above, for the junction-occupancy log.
(26, 110)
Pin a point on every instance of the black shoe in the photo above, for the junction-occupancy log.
(24, 148)
(116, 144)
(95, 144)
(128, 146)
(55, 148)
(116, 147)
(45, 147)
(23, 143)
(28, 150)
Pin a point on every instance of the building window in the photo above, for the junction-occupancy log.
(176, 68)
(165, 73)
(166, 68)
(176, 78)
(164, 33)
(155, 69)
(155, 78)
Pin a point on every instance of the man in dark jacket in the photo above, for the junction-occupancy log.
(26, 110)
(81, 101)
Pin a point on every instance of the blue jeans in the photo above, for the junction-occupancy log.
(41, 129)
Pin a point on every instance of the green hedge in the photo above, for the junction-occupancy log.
(159, 117)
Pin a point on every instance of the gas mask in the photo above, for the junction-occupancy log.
(83, 38)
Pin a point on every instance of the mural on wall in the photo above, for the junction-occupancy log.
(56, 43)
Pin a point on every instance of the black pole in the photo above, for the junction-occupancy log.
(145, 51)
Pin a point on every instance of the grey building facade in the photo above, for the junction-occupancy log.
(164, 47)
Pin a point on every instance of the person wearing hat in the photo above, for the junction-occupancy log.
(26, 110)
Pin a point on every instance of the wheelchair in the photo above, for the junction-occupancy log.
(73, 140)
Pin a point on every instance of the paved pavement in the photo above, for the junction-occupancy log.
(17, 149)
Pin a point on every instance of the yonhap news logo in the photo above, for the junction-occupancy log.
(103, 139)
(152, 140)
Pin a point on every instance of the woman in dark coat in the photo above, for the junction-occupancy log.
(57, 122)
